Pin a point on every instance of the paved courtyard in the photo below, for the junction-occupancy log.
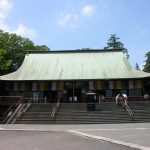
(94, 136)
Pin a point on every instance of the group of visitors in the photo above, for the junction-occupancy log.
(73, 99)
(121, 99)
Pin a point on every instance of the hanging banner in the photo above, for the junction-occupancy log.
(135, 84)
(111, 86)
(22, 86)
(41, 86)
(29, 86)
(117, 84)
(124, 84)
(48, 86)
(53, 86)
(138, 84)
(44, 86)
(34, 86)
(98, 85)
(91, 85)
(60, 86)
(16, 87)
(8, 86)
(131, 84)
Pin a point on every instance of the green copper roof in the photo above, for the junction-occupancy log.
(75, 65)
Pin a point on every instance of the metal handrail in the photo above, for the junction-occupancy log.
(10, 111)
(28, 105)
(55, 108)
(10, 120)
(15, 111)
(7, 114)
(126, 106)
(22, 109)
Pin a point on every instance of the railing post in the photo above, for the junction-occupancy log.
(13, 114)
(55, 109)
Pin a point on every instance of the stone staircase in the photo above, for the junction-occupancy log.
(104, 113)
(141, 111)
(77, 113)
(36, 114)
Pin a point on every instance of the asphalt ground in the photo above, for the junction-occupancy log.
(52, 140)
(66, 137)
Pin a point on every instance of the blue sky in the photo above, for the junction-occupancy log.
(73, 24)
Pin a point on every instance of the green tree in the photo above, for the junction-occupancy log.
(147, 62)
(13, 49)
(114, 43)
(4, 63)
(137, 66)
(42, 48)
(85, 49)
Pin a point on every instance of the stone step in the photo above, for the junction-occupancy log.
(102, 122)
(34, 122)
(75, 113)
(40, 107)
(36, 113)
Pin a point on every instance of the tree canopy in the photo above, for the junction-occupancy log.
(114, 43)
(137, 66)
(13, 49)
(147, 62)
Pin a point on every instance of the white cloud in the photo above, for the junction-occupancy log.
(88, 10)
(73, 18)
(25, 31)
(3, 25)
(5, 8)
(142, 66)
(68, 20)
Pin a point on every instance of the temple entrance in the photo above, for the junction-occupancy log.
(74, 96)
(73, 92)
(51, 96)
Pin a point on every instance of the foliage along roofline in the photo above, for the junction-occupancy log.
(74, 51)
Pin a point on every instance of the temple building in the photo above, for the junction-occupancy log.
(74, 73)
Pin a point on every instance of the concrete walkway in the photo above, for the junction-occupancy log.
(133, 135)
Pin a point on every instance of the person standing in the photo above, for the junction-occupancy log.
(70, 99)
(75, 99)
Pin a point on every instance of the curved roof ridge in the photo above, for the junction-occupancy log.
(75, 66)
(74, 51)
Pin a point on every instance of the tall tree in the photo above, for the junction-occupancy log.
(13, 49)
(137, 66)
(147, 62)
(114, 43)
(4, 63)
